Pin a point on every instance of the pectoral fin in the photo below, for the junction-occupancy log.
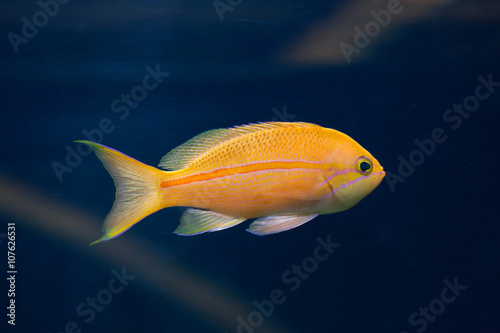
(197, 221)
(277, 223)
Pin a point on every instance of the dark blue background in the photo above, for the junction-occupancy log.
(397, 247)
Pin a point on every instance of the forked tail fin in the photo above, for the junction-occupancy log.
(137, 190)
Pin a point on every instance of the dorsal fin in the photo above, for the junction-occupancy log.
(180, 157)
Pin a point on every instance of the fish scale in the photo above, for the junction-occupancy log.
(275, 144)
(283, 174)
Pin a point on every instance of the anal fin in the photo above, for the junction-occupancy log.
(197, 221)
(277, 223)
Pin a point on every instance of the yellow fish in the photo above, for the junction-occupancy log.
(282, 173)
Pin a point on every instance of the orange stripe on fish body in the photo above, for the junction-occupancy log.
(284, 174)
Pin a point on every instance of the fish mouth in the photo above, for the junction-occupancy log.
(378, 176)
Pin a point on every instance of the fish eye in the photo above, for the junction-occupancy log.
(364, 165)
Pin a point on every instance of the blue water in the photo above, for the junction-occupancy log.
(420, 253)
